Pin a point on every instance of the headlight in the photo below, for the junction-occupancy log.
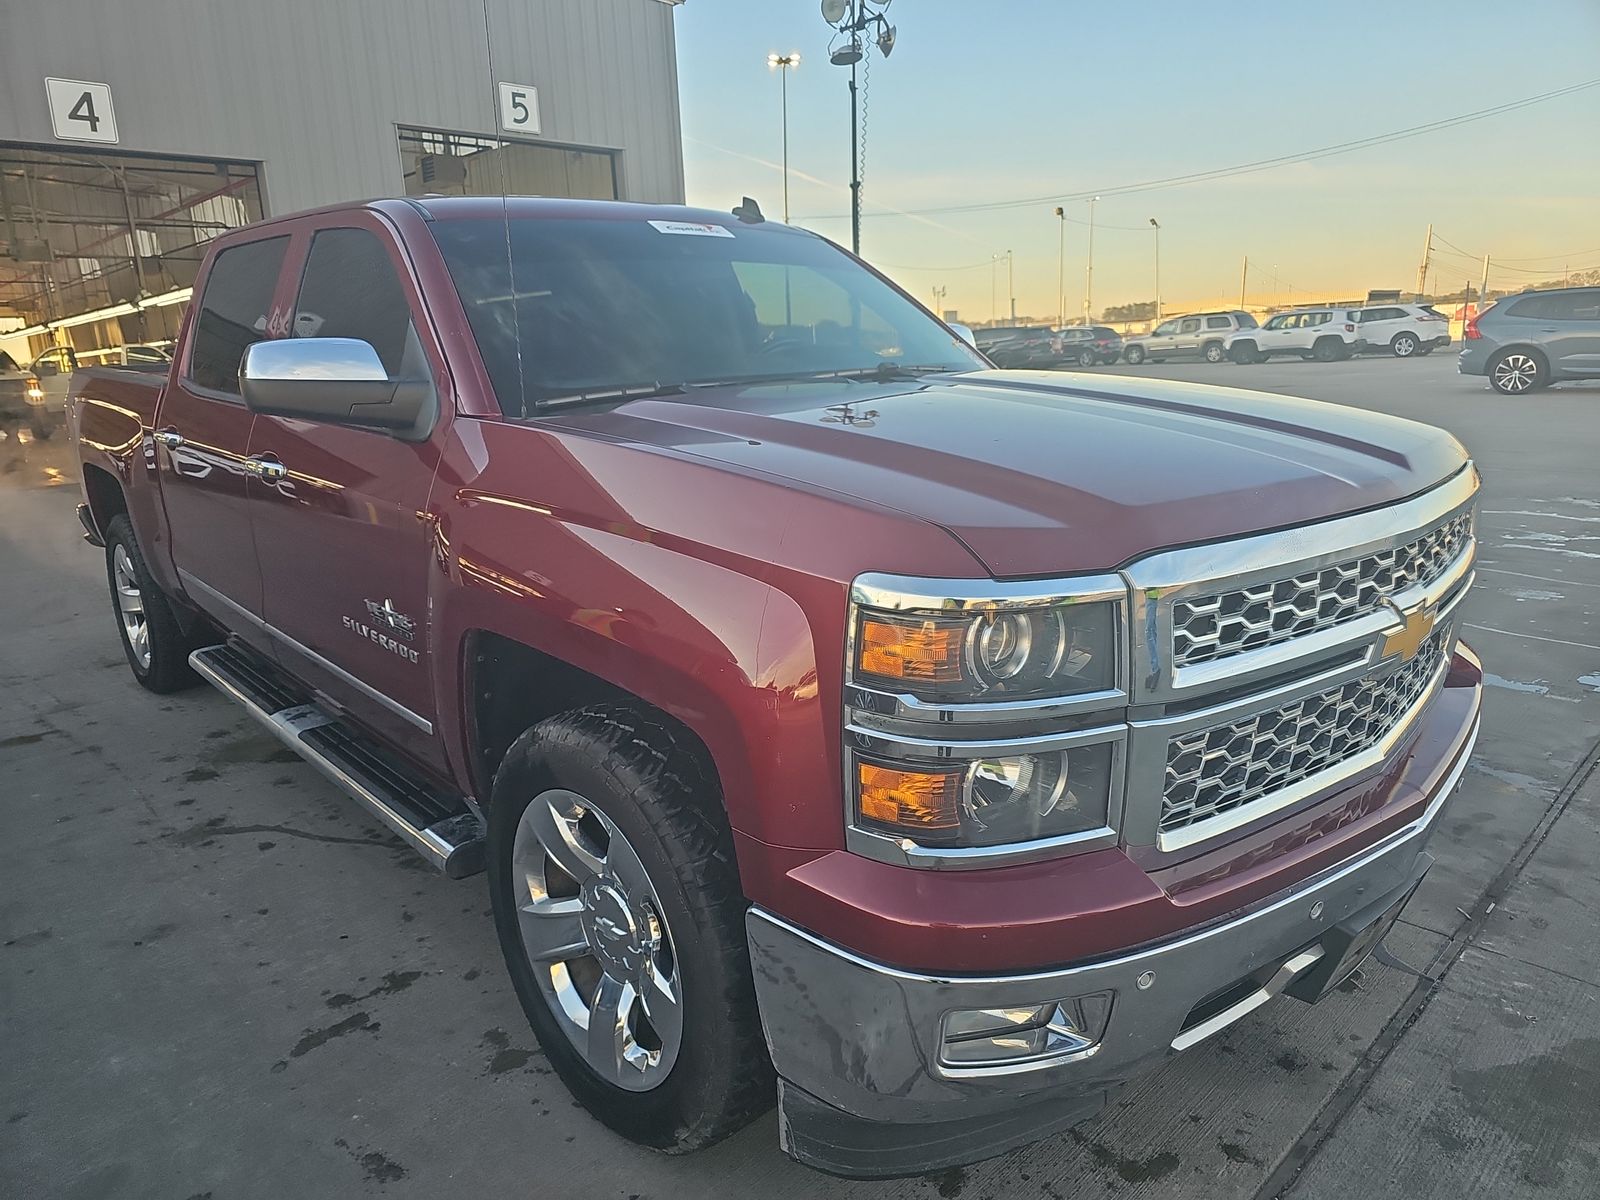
(995, 801)
(984, 720)
(1056, 648)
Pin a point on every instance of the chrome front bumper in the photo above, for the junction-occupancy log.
(863, 1090)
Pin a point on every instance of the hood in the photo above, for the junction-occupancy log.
(1040, 474)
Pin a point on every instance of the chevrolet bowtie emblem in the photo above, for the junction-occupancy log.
(1408, 639)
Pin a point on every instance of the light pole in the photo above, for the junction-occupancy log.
(1088, 279)
(781, 63)
(994, 312)
(1156, 225)
(852, 19)
(1061, 268)
(1011, 286)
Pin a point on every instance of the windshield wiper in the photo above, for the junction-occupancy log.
(884, 372)
(635, 391)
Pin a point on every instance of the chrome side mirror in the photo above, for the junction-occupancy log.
(340, 381)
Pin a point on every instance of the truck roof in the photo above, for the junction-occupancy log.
(448, 208)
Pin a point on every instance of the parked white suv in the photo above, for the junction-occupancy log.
(1197, 335)
(1403, 329)
(1325, 334)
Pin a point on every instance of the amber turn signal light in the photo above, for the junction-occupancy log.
(915, 651)
(915, 800)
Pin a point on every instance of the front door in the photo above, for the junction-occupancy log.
(203, 436)
(343, 538)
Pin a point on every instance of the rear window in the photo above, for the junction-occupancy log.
(1101, 331)
(233, 311)
(1246, 321)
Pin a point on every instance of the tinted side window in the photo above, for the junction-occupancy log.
(1217, 323)
(350, 290)
(1562, 306)
(233, 311)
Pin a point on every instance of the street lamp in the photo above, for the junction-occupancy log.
(781, 63)
(1156, 225)
(852, 19)
(1088, 281)
(1061, 268)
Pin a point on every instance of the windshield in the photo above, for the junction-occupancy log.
(583, 307)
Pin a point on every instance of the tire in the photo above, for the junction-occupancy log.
(155, 645)
(1214, 353)
(1328, 350)
(1134, 355)
(1245, 353)
(664, 905)
(1404, 345)
(1087, 358)
(1518, 372)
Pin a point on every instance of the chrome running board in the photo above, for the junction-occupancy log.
(437, 825)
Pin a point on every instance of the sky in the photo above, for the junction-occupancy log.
(1017, 99)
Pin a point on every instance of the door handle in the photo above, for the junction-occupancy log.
(170, 438)
(269, 470)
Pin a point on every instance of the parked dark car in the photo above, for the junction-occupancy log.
(1018, 345)
(1088, 345)
(1527, 342)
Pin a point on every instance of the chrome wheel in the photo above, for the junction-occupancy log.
(594, 935)
(1215, 353)
(1515, 373)
(130, 607)
(1404, 345)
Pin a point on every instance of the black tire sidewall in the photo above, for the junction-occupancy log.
(705, 1063)
(169, 669)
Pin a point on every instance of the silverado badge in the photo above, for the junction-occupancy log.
(397, 621)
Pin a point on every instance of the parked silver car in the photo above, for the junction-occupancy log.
(1196, 335)
(1530, 341)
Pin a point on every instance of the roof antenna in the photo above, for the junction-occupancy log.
(749, 212)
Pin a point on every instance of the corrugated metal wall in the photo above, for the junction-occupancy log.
(313, 89)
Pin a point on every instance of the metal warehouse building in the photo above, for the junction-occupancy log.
(133, 131)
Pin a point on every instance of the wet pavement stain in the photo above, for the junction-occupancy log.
(25, 739)
(394, 981)
(1545, 1102)
(23, 940)
(1234, 1152)
(376, 1167)
(320, 1037)
(199, 775)
(949, 1183)
(1130, 1170)
(201, 834)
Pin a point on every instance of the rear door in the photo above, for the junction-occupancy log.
(203, 434)
(345, 538)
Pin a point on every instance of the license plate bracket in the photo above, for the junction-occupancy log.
(1346, 946)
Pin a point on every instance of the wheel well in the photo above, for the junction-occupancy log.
(510, 687)
(105, 496)
(1531, 351)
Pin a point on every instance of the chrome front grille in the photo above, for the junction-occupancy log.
(1206, 628)
(1216, 770)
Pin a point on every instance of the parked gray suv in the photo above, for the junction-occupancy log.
(1197, 335)
(1533, 340)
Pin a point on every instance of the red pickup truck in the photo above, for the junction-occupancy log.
(839, 720)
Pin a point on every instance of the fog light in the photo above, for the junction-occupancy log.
(1008, 1037)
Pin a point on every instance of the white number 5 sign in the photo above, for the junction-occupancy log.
(81, 111)
(519, 108)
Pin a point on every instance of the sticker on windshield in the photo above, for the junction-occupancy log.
(691, 228)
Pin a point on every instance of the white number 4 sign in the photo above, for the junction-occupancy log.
(519, 108)
(81, 111)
